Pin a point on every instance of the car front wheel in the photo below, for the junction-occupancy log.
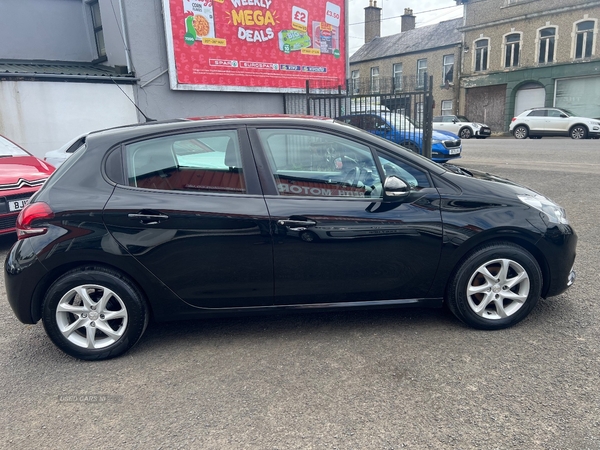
(495, 287)
(466, 133)
(94, 313)
(578, 132)
(521, 132)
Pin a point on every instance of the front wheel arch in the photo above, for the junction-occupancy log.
(494, 286)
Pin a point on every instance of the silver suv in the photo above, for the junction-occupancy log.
(537, 122)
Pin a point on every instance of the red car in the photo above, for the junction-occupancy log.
(21, 174)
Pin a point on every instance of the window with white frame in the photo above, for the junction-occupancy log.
(447, 107)
(512, 49)
(448, 69)
(374, 80)
(421, 71)
(356, 81)
(547, 43)
(481, 54)
(397, 77)
(584, 39)
(98, 32)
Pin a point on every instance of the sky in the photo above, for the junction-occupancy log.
(427, 12)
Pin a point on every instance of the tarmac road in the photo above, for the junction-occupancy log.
(386, 379)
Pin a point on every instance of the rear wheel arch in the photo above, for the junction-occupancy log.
(42, 287)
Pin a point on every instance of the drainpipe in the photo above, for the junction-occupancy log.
(125, 38)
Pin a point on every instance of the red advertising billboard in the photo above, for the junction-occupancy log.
(255, 45)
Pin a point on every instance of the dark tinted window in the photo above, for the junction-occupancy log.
(537, 113)
(207, 161)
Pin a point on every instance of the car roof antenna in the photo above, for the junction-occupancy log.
(148, 119)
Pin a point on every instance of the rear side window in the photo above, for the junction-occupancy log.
(537, 113)
(208, 161)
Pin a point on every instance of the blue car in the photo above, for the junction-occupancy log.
(398, 128)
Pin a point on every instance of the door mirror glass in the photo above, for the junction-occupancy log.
(395, 188)
(563, 115)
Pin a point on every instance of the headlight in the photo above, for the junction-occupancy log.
(435, 141)
(476, 125)
(555, 213)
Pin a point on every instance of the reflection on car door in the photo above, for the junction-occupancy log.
(335, 240)
(555, 123)
(194, 216)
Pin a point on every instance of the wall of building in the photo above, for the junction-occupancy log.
(53, 30)
(435, 58)
(42, 116)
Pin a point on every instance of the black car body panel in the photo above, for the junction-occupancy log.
(195, 253)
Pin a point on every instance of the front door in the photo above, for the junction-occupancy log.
(335, 240)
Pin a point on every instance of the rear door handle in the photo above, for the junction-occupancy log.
(296, 225)
(148, 218)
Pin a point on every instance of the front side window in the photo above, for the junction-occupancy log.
(448, 69)
(421, 72)
(584, 39)
(355, 81)
(547, 40)
(481, 54)
(207, 161)
(512, 50)
(98, 33)
(375, 80)
(397, 77)
(317, 164)
(447, 108)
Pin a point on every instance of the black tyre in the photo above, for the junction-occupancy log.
(521, 132)
(495, 286)
(465, 133)
(94, 313)
(578, 132)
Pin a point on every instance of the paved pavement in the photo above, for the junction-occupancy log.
(387, 379)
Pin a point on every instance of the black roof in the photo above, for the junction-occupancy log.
(442, 34)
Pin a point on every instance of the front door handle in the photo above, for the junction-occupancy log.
(148, 218)
(296, 225)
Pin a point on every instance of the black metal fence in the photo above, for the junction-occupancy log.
(413, 105)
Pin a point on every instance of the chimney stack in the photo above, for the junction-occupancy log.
(372, 21)
(408, 20)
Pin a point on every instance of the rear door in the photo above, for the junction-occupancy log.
(191, 211)
(335, 240)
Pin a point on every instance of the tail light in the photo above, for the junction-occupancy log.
(513, 119)
(32, 212)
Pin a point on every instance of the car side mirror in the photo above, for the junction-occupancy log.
(395, 188)
(564, 116)
(454, 120)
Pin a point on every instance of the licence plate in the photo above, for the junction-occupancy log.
(454, 151)
(17, 204)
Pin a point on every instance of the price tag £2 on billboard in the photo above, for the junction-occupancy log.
(299, 18)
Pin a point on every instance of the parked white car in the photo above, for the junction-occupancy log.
(461, 126)
(59, 156)
(537, 122)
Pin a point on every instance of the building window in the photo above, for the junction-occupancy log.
(397, 77)
(512, 50)
(98, 33)
(421, 72)
(448, 69)
(447, 107)
(481, 54)
(584, 39)
(374, 80)
(356, 81)
(547, 39)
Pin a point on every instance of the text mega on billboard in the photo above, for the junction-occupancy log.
(256, 45)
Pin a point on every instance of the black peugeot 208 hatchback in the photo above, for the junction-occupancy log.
(190, 218)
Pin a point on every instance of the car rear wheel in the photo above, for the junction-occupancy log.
(94, 313)
(578, 132)
(521, 132)
(465, 133)
(495, 286)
